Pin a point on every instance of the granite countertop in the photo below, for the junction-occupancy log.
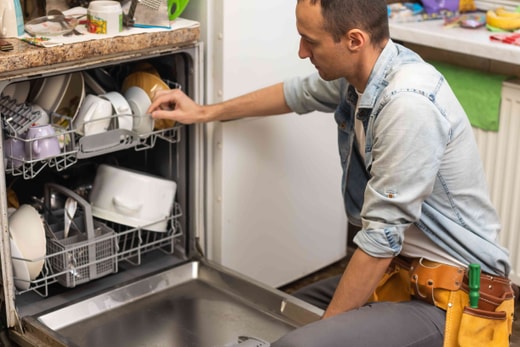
(27, 59)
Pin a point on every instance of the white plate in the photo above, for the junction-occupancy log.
(139, 102)
(121, 108)
(51, 26)
(52, 91)
(27, 231)
(72, 97)
(18, 91)
(22, 279)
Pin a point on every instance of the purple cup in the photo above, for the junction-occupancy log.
(41, 142)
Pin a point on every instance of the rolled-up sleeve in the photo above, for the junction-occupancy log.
(412, 137)
(312, 93)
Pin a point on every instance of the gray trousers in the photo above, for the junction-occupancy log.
(411, 323)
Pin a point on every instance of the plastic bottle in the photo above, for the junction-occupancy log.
(11, 18)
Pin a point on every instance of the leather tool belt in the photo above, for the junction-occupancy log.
(446, 287)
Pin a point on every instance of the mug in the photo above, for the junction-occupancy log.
(41, 142)
(42, 118)
(122, 110)
(14, 152)
(94, 116)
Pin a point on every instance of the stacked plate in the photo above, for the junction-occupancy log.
(61, 94)
(150, 82)
(28, 245)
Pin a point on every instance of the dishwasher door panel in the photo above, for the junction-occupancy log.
(194, 304)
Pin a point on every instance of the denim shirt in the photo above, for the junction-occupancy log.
(421, 163)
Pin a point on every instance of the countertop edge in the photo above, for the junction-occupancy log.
(27, 57)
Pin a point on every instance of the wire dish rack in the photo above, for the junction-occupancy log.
(80, 257)
(18, 118)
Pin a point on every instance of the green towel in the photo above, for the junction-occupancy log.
(478, 92)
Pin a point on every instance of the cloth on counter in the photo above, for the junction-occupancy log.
(50, 41)
(478, 92)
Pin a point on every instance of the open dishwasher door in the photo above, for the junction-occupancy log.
(159, 290)
(193, 304)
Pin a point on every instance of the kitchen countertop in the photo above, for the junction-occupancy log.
(26, 59)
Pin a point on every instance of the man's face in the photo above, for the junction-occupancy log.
(318, 45)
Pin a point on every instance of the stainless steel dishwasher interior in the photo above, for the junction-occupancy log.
(194, 304)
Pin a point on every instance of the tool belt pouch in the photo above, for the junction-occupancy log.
(432, 282)
(446, 287)
(488, 325)
(395, 284)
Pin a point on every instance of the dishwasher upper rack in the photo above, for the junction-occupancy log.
(132, 245)
(19, 154)
(73, 146)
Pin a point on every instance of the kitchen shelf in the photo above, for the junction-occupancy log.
(474, 42)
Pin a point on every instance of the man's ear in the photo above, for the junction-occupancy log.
(356, 39)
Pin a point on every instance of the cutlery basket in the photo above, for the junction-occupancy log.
(90, 249)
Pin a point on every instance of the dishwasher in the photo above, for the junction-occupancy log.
(125, 284)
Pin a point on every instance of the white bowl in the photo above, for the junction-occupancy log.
(132, 198)
(139, 102)
(121, 108)
(28, 233)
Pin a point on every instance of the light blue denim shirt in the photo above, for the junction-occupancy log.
(421, 160)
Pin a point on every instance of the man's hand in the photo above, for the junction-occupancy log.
(175, 105)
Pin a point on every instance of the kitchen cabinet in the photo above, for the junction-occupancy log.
(161, 290)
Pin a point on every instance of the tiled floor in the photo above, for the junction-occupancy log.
(338, 267)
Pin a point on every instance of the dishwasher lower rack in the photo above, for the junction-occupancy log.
(69, 265)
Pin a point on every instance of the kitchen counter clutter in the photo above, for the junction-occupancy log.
(87, 49)
(475, 42)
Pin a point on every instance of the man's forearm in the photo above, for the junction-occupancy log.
(358, 282)
(263, 102)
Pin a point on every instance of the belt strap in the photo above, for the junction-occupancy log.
(427, 277)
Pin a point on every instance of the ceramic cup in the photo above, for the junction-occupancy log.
(41, 142)
(43, 117)
(94, 116)
(121, 108)
(14, 152)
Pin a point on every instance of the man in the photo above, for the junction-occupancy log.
(412, 180)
